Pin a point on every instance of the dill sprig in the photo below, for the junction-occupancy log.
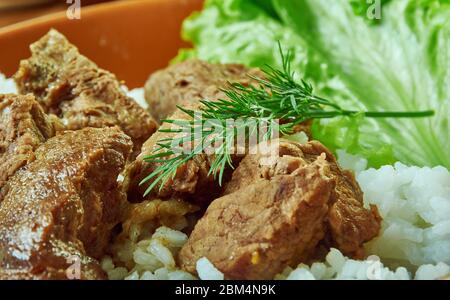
(277, 96)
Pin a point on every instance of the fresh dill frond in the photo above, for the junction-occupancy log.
(276, 97)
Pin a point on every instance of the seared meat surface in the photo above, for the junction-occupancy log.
(23, 127)
(184, 84)
(72, 87)
(62, 204)
(277, 209)
(190, 181)
(254, 233)
(188, 82)
(349, 222)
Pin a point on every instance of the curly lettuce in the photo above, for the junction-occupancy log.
(400, 62)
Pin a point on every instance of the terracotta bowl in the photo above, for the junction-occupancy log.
(129, 38)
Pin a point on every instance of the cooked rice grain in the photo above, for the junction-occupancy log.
(415, 205)
(7, 85)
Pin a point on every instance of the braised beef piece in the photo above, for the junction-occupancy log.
(246, 219)
(23, 127)
(188, 82)
(191, 181)
(350, 224)
(184, 84)
(72, 87)
(255, 232)
(63, 204)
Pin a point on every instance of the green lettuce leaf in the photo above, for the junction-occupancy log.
(400, 62)
(240, 31)
(345, 133)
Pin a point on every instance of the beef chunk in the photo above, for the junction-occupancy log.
(350, 224)
(191, 181)
(262, 166)
(64, 203)
(184, 84)
(23, 127)
(188, 82)
(72, 87)
(255, 232)
(229, 221)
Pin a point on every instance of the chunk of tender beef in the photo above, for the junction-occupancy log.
(184, 84)
(191, 181)
(239, 227)
(23, 127)
(279, 157)
(350, 223)
(63, 204)
(188, 82)
(72, 87)
(255, 232)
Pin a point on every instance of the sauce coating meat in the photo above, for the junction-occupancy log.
(72, 87)
(23, 127)
(350, 224)
(62, 204)
(189, 82)
(254, 233)
(277, 209)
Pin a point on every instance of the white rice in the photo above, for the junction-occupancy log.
(7, 85)
(415, 205)
(207, 271)
(156, 264)
(338, 267)
(154, 258)
(138, 95)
